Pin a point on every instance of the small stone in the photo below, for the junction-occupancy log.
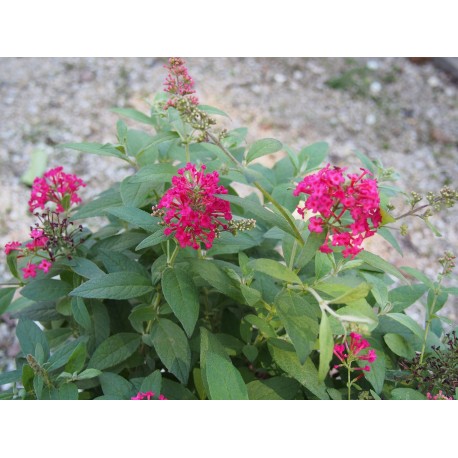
(434, 81)
(375, 87)
(298, 75)
(371, 119)
(256, 88)
(372, 65)
(280, 78)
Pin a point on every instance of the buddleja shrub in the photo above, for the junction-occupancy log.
(194, 291)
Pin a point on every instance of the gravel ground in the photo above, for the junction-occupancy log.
(390, 108)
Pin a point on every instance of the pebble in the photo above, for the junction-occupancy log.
(280, 78)
(375, 87)
(372, 65)
(434, 81)
(371, 119)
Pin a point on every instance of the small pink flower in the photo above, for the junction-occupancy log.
(333, 198)
(179, 83)
(316, 224)
(439, 397)
(193, 212)
(148, 396)
(29, 271)
(36, 233)
(45, 265)
(12, 246)
(55, 186)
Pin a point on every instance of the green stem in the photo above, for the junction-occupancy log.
(10, 284)
(293, 255)
(282, 211)
(349, 383)
(171, 260)
(188, 156)
(224, 149)
(429, 312)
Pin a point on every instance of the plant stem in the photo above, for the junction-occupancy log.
(349, 383)
(10, 284)
(430, 311)
(282, 211)
(171, 260)
(224, 149)
(188, 157)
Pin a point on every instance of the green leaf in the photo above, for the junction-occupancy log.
(354, 293)
(11, 261)
(275, 388)
(6, 296)
(376, 376)
(114, 350)
(379, 263)
(399, 346)
(136, 217)
(29, 335)
(98, 206)
(77, 359)
(68, 392)
(155, 174)
(301, 327)
(172, 347)
(117, 285)
(136, 141)
(134, 194)
(251, 295)
(263, 147)
(407, 394)
(10, 377)
(94, 148)
(84, 267)
(152, 383)
(420, 276)
(88, 374)
(152, 240)
(114, 386)
(259, 212)
(181, 294)
(275, 269)
(263, 326)
(309, 250)
(61, 356)
(404, 296)
(367, 163)
(314, 154)
(131, 113)
(408, 322)
(217, 279)
(224, 380)
(306, 374)
(36, 168)
(390, 238)
(119, 262)
(46, 289)
(212, 110)
(80, 313)
(326, 346)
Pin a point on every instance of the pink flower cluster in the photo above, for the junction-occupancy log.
(347, 353)
(438, 397)
(336, 200)
(149, 395)
(39, 242)
(57, 187)
(179, 82)
(193, 211)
